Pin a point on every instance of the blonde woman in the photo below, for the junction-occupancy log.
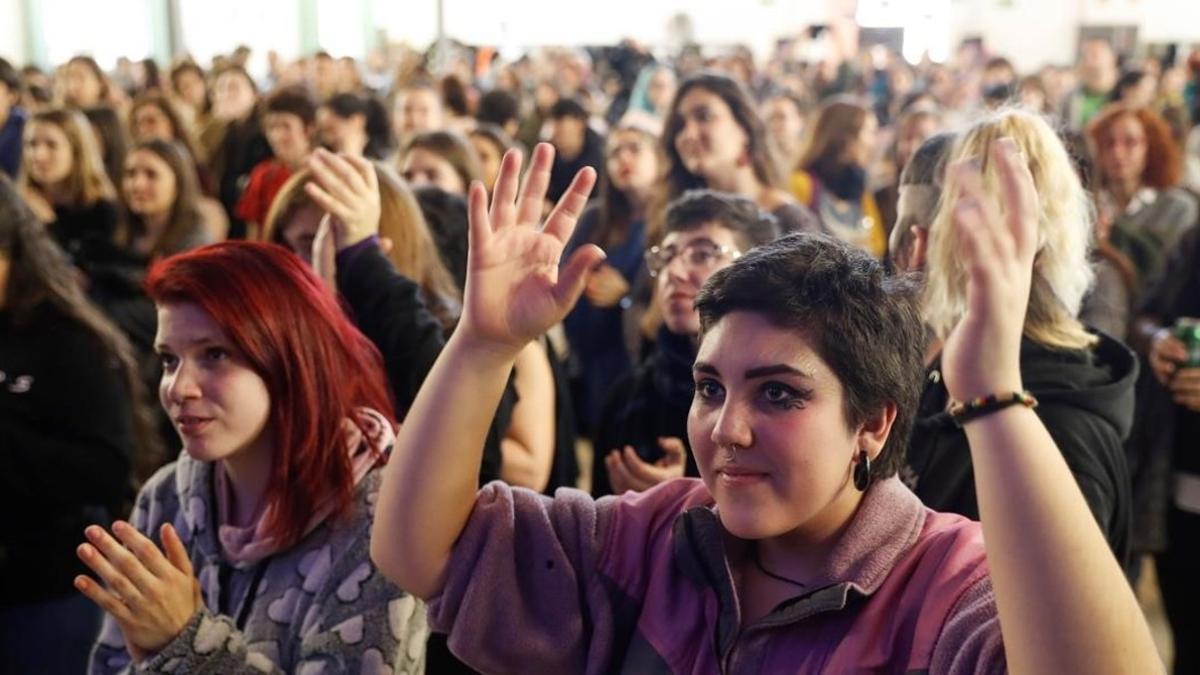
(1083, 380)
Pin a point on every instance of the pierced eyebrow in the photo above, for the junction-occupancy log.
(779, 369)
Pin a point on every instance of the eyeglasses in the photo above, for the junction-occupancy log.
(701, 254)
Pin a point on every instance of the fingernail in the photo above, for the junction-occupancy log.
(83, 550)
(92, 532)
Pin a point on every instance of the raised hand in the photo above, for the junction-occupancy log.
(151, 596)
(997, 241)
(515, 289)
(348, 189)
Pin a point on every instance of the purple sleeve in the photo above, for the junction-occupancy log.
(347, 255)
(521, 592)
(970, 642)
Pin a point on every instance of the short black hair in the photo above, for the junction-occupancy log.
(861, 321)
(498, 107)
(751, 226)
(567, 107)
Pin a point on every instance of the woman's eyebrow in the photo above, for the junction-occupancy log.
(778, 369)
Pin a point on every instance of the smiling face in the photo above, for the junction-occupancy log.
(709, 141)
(765, 390)
(219, 405)
(699, 255)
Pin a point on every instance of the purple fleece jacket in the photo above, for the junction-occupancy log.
(640, 584)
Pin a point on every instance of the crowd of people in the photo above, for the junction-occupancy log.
(736, 377)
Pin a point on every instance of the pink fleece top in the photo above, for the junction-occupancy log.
(365, 441)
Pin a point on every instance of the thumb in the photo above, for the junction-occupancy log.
(573, 277)
(674, 449)
(176, 552)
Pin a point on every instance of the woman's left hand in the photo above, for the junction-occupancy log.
(998, 242)
(151, 596)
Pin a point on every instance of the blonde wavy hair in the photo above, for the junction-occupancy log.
(1062, 273)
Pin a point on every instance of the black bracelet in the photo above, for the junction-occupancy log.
(963, 412)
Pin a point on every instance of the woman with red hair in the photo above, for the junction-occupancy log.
(1142, 212)
(249, 553)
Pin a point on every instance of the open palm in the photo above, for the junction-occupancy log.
(515, 287)
(981, 355)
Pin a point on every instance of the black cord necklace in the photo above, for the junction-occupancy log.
(778, 577)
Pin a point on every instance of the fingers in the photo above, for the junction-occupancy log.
(561, 222)
(573, 276)
(328, 202)
(112, 577)
(1019, 195)
(479, 223)
(641, 471)
(676, 452)
(972, 240)
(1170, 348)
(365, 169)
(337, 175)
(537, 181)
(972, 194)
(145, 550)
(109, 558)
(619, 474)
(504, 193)
(103, 599)
(177, 553)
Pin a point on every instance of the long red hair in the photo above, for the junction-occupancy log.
(318, 368)
(1164, 159)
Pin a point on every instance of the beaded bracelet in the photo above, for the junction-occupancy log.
(963, 412)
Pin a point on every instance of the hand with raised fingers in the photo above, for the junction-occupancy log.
(515, 289)
(151, 595)
(628, 471)
(348, 189)
(997, 241)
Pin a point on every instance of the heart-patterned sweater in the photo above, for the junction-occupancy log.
(317, 607)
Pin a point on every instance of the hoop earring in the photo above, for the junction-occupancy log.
(862, 471)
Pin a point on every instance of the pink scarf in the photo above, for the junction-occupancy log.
(250, 544)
